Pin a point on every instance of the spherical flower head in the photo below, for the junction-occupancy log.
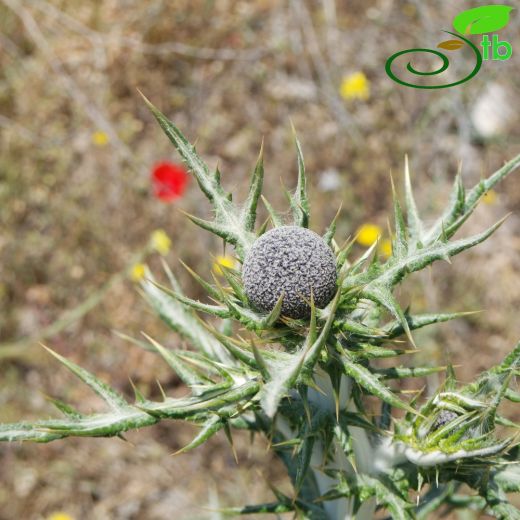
(293, 261)
(444, 417)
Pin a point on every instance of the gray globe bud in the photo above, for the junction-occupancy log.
(444, 417)
(290, 260)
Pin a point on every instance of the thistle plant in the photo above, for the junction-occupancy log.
(288, 348)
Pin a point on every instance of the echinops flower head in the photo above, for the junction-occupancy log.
(292, 261)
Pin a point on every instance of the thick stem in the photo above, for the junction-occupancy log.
(341, 509)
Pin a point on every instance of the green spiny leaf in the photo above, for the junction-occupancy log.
(213, 425)
(255, 190)
(183, 321)
(331, 230)
(114, 399)
(189, 376)
(300, 201)
(228, 223)
(275, 218)
(395, 328)
(405, 372)
(415, 226)
(210, 289)
(400, 242)
(214, 310)
(369, 381)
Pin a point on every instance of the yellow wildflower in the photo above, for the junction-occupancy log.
(223, 261)
(161, 242)
(60, 515)
(490, 197)
(355, 86)
(137, 273)
(385, 247)
(367, 234)
(100, 138)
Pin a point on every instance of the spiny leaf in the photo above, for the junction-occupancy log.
(255, 190)
(456, 207)
(388, 496)
(227, 219)
(234, 280)
(368, 351)
(214, 310)
(97, 425)
(415, 226)
(358, 264)
(369, 381)
(331, 230)
(68, 410)
(300, 202)
(400, 242)
(305, 451)
(356, 419)
(395, 328)
(210, 185)
(260, 361)
(384, 297)
(182, 320)
(212, 227)
(209, 428)
(189, 376)
(352, 327)
(275, 218)
(138, 395)
(275, 313)
(196, 406)
(210, 289)
(405, 372)
(487, 184)
(462, 206)
(233, 347)
(508, 478)
(114, 399)
(378, 288)
(285, 374)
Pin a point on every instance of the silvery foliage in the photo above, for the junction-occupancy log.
(307, 395)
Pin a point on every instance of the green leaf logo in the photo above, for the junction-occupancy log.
(484, 19)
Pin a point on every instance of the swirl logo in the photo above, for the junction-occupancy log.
(480, 20)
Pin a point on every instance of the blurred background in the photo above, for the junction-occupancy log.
(77, 203)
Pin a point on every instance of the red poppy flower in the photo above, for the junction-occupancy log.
(169, 181)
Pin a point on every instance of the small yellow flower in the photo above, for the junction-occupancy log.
(138, 272)
(60, 515)
(161, 242)
(367, 234)
(223, 261)
(355, 86)
(490, 197)
(100, 138)
(385, 247)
